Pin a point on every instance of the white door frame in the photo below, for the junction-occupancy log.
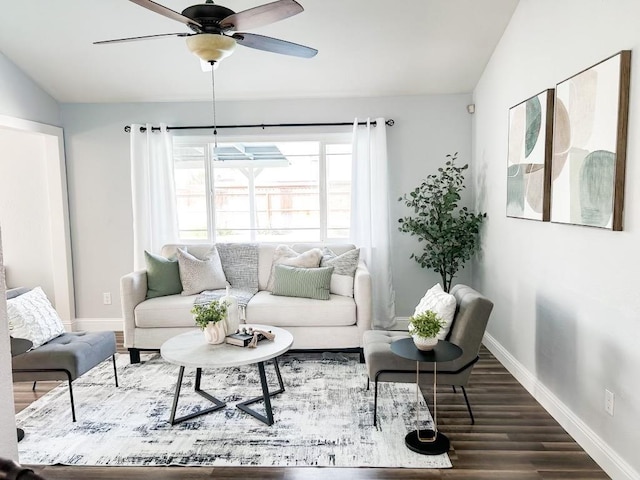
(56, 174)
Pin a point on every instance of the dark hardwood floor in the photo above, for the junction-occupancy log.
(514, 438)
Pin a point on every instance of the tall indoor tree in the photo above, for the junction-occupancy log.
(448, 232)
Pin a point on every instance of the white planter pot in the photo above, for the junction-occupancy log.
(215, 333)
(424, 343)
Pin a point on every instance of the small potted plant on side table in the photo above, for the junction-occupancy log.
(210, 317)
(423, 329)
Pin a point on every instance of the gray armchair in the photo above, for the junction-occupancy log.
(64, 358)
(467, 330)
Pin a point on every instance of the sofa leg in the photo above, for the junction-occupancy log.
(134, 355)
(362, 355)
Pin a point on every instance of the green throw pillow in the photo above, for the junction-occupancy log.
(163, 276)
(291, 281)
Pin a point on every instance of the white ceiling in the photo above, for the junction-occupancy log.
(366, 48)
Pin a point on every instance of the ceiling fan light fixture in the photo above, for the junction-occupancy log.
(211, 47)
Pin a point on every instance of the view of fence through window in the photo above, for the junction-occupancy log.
(258, 191)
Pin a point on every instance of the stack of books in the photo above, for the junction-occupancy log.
(242, 339)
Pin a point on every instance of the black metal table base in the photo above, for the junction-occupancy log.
(434, 446)
(218, 404)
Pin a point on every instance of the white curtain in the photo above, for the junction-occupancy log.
(155, 221)
(370, 214)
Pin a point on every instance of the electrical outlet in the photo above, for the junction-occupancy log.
(106, 298)
(609, 399)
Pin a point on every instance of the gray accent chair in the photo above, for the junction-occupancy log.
(65, 357)
(467, 330)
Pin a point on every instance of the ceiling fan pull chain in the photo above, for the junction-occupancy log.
(213, 99)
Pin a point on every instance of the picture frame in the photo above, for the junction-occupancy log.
(590, 144)
(529, 157)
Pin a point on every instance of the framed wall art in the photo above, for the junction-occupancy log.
(590, 145)
(529, 157)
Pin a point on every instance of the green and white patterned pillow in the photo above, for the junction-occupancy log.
(344, 270)
(303, 282)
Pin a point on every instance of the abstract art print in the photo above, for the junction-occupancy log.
(529, 157)
(590, 143)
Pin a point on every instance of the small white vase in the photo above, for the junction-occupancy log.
(424, 343)
(233, 315)
(215, 333)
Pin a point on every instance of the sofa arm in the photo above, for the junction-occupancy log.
(133, 290)
(362, 297)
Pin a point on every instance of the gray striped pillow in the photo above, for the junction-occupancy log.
(291, 281)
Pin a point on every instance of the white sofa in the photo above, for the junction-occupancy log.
(335, 324)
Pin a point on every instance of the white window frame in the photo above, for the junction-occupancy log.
(324, 139)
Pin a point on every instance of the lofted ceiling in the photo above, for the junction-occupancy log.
(366, 48)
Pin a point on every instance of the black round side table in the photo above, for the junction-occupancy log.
(18, 347)
(426, 442)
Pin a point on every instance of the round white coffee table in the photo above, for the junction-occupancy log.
(191, 350)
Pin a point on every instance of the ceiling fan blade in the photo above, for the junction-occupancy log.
(167, 12)
(262, 15)
(145, 37)
(268, 44)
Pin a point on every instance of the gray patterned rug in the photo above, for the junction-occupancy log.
(324, 418)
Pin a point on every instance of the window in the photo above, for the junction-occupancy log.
(268, 191)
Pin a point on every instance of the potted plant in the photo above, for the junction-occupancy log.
(423, 329)
(450, 233)
(210, 317)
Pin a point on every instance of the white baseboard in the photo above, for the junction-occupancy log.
(98, 324)
(614, 465)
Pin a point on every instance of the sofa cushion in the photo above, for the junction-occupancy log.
(169, 311)
(163, 275)
(31, 316)
(199, 275)
(285, 255)
(344, 269)
(302, 282)
(278, 311)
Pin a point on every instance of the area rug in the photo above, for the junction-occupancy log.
(323, 418)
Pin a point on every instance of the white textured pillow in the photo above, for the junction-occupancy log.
(441, 302)
(344, 270)
(285, 255)
(32, 316)
(199, 275)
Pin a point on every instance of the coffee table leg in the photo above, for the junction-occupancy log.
(218, 403)
(266, 395)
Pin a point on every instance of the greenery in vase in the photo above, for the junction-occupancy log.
(426, 324)
(207, 313)
(450, 233)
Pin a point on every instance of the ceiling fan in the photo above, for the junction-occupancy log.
(216, 29)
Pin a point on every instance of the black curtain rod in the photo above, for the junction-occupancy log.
(389, 123)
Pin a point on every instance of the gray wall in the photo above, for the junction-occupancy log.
(567, 308)
(426, 129)
(21, 97)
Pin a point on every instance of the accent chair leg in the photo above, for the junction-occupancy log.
(362, 355)
(34, 386)
(466, 399)
(375, 403)
(73, 407)
(134, 355)
(115, 370)
(368, 382)
(454, 389)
